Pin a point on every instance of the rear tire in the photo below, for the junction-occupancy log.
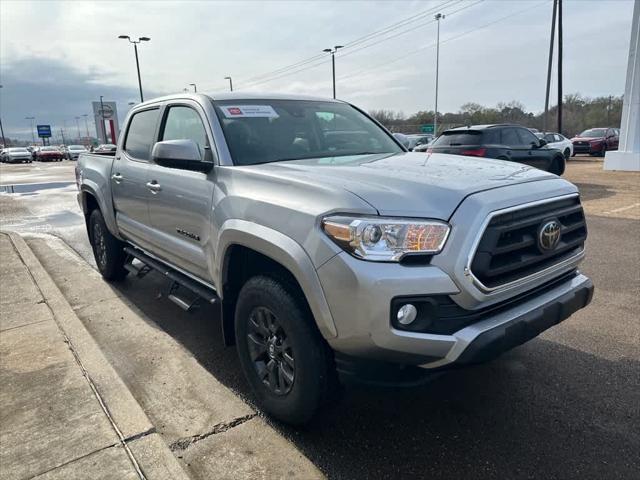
(284, 357)
(107, 249)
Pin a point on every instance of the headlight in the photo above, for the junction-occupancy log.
(387, 239)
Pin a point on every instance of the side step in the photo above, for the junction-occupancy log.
(179, 280)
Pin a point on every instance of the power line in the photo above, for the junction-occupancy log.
(418, 50)
(323, 60)
(266, 77)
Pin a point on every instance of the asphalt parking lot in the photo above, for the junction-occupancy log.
(565, 405)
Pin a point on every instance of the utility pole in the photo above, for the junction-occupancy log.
(608, 111)
(33, 135)
(560, 67)
(62, 135)
(135, 49)
(438, 17)
(230, 83)
(549, 66)
(333, 65)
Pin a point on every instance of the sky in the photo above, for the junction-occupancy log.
(58, 57)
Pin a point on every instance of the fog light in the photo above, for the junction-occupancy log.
(407, 314)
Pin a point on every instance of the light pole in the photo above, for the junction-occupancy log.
(86, 124)
(333, 64)
(33, 135)
(438, 17)
(230, 83)
(195, 89)
(135, 49)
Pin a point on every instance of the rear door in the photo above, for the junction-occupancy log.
(129, 176)
(180, 200)
(536, 156)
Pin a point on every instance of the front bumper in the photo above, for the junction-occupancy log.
(589, 148)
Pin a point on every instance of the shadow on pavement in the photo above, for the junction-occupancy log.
(542, 410)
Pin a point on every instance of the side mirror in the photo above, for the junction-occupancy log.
(184, 154)
(542, 142)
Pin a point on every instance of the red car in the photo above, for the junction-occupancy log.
(596, 141)
(49, 154)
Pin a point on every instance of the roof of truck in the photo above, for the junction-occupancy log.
(238, 96)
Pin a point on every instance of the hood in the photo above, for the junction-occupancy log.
(408, 184)
(587, 139)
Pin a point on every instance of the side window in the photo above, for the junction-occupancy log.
(184, 123)
(510, 137)
(140, 135)
(526, 137)
(550, 138)
(558, 137)
(491, 136)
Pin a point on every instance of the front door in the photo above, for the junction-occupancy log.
(181, 200)
(129, 176)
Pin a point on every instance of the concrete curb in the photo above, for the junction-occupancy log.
(126, 415)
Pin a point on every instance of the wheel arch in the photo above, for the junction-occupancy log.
(246, 249)
(89, 200)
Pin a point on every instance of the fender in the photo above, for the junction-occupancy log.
(284, 250)
(106, 207)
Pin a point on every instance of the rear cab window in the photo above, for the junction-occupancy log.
(141, 134)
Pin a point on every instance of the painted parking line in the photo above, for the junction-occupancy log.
(622, 209)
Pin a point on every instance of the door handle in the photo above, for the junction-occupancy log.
(116, 177)
(154, 186)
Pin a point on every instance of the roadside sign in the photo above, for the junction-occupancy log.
(427, 128)
(44, 131)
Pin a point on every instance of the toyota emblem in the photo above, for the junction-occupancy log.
(549, 235)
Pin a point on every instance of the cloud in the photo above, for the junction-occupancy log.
(54, 92)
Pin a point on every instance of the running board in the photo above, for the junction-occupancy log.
(178, 278)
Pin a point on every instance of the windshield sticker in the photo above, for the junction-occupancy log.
(236, 111)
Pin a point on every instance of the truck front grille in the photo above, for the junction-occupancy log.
(510, 249)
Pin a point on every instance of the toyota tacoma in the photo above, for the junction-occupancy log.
(331, 251)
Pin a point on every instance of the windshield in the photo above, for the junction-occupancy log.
(453, 138)
(49, 149)
(76, 147)
(593, 132)
(17, 150)
(262, 131)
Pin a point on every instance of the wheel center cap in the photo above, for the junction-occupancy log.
(272, 349)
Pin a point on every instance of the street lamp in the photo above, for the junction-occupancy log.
(195, 89)
(135, 48)
(333, 64)
(230, 83)
(33, 135)
(438, 17)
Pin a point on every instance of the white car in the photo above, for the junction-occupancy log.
(16, 155)
(559, 142)
(72, 152)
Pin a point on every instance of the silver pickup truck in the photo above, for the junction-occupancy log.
(333, 253)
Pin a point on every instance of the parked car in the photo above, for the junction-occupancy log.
(49, 154)
(74, 151)
(108, 148)
(418, 139)
(559, 142)
(15, 155)
(333, 252)
(596, 141)
(504, 142)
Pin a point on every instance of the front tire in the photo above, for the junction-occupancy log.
(567, 154)
(107, 249)
(557, 165)
(603, 152)
(286, 362)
